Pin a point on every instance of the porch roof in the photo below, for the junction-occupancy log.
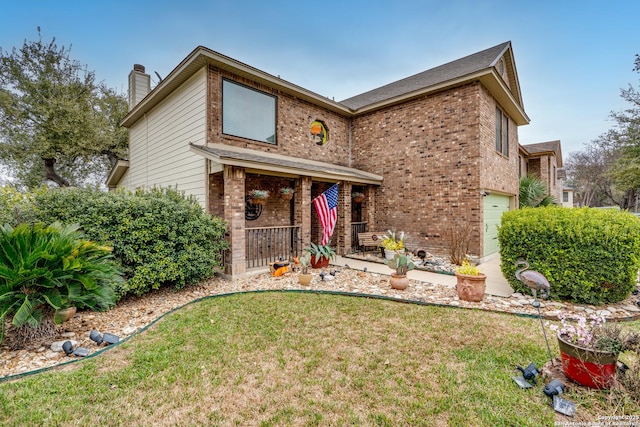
(277, 163)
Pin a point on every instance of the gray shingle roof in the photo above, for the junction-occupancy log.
(541, 147)
(443, 73)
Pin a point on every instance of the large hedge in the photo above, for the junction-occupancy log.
(588, 255)
(159, 236)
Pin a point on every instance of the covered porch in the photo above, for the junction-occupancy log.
(261, 232)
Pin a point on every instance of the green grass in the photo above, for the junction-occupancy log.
(272, 359)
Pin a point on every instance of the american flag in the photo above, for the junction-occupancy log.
(327, 208)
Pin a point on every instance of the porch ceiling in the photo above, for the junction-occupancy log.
(276, 163)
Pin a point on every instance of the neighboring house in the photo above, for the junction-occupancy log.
(430, 152)
(544, 161)
(567, 197)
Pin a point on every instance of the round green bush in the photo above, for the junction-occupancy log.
(159, 236)
(589, 255)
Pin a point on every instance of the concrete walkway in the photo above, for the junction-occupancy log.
(496, 283)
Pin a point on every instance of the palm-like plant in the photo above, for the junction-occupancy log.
(533, 193)
(48, 268)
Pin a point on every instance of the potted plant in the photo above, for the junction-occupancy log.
(589, 349)
(471, 283)
(258, 197)
(401, 264)
(357, 196)
(286, 193)
(320, 255)
(305, 277)
(392, 243)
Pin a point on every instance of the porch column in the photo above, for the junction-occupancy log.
(369, 208)
(343, 225)
(302, 209)
(234, 206)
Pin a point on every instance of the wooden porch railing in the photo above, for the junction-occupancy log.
(268, 244)
(357, 227)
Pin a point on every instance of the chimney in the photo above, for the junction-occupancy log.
(139, 85)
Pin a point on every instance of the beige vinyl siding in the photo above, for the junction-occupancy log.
(159, 152)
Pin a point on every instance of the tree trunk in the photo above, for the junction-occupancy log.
(113, 158)
(628, 201)
(50, 169)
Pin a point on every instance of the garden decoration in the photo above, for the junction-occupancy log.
(589, 351)
(470, 282)
(392, 243)
(106, 338)
(304, 277)
(279, 268)
(536, 282)
(67, 347)
(402, 264)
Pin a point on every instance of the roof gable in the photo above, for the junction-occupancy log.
(549, 147)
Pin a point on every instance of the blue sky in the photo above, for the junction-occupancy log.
(573, 57)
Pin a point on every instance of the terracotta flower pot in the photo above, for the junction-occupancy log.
(305, 279)
(322, 262)
(587, 367)
(471, 288)
(399, 281)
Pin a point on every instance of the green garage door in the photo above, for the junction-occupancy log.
(494, 206)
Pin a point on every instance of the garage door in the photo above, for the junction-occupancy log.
(494, 206)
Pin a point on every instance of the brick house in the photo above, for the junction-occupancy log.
(432, 151)
(544, 161)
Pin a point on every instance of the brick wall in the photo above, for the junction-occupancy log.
(294, 118)
(435, 154)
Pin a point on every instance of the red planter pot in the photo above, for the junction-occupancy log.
(590, 368)
(322, 262)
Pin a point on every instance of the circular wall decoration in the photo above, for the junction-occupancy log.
(319, 132)
(251, 211)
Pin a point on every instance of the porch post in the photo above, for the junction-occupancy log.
(343, 226)
(302, 209)
(234, 206)
(369, 208)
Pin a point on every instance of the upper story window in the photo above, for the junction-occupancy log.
(502, 133)
(248, 113)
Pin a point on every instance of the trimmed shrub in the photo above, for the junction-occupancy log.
(12, 205)
(48, 268)
(588, 255)
(159, 236)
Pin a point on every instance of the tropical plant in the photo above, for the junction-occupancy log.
(401, 264)
(533, 193)
(48, 268)
(305, 263)
(321, 251)
(159, 236)
(468, 269)
(392, 241)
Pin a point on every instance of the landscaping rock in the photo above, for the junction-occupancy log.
(57, 345)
